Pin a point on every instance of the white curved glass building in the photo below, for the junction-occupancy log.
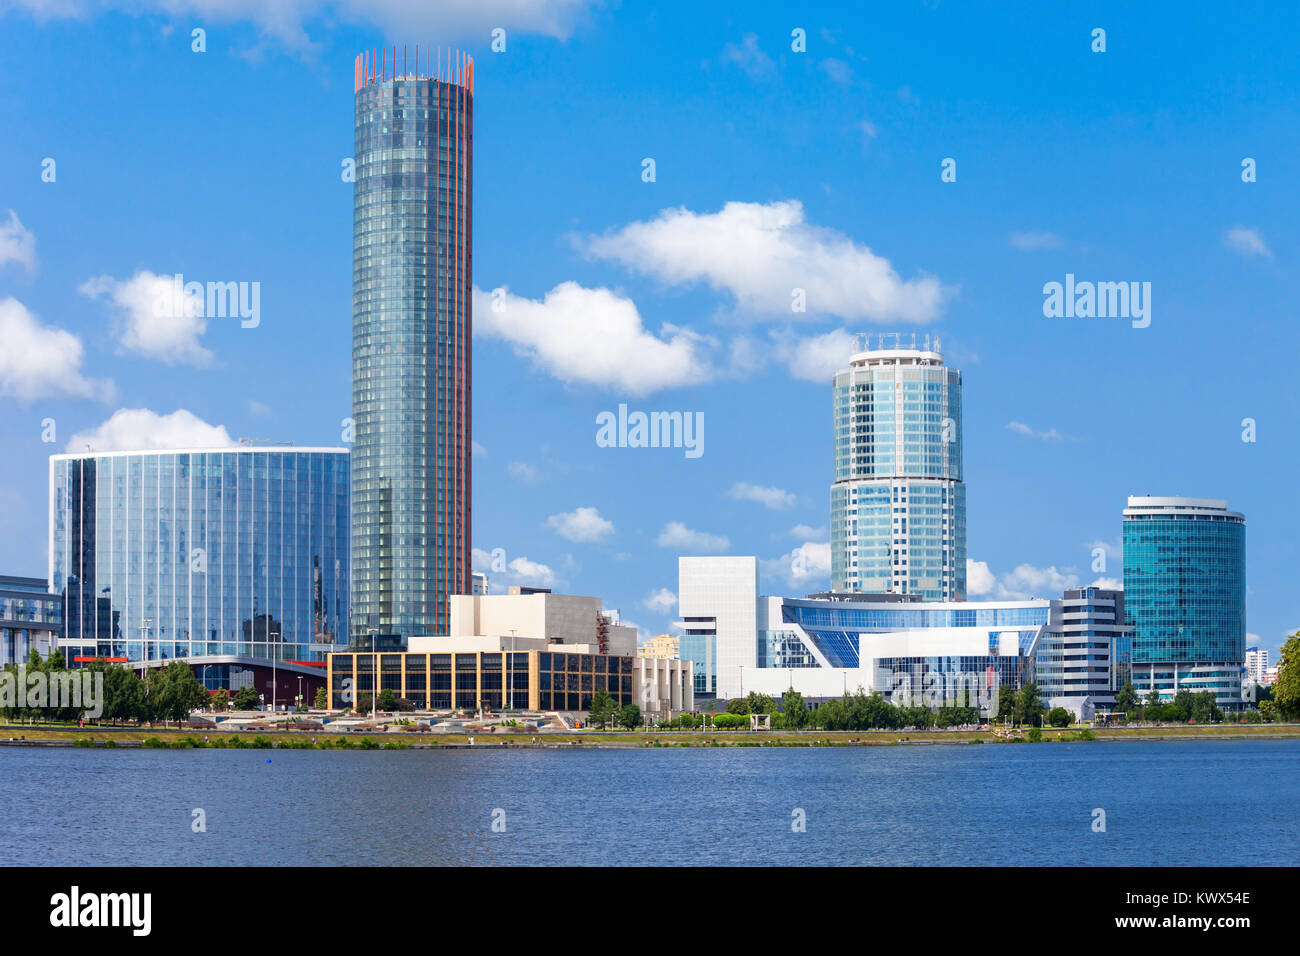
(898, 502)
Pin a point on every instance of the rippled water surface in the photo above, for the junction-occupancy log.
(1165, 803)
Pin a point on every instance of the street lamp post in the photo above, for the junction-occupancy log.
(510, 673)
(374, 680)
(275, 635)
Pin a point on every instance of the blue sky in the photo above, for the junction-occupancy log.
(774, 169)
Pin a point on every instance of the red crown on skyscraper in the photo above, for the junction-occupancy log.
(417, 63)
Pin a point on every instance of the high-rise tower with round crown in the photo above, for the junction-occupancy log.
(898, 502)
(411, 320)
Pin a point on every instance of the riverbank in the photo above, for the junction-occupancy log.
(28, 736)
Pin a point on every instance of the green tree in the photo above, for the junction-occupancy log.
(630, 717)
(1153, 699)
(322, 699)
(247, 698)
(1007, 702)
(1059, 717)
(221, 700)
(759, 703)
(123, 694)
(1205, 709)
(1126, 701)
(792, 706)
(175, 692)
(1286, 689)
(738, 706)
(387, 699)
(603, 710)
(1029, 706)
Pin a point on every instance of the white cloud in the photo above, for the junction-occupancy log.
(535, 573)
(777, 499)
(1024, 582)
(747, 55)
(808, 531)
(661, 601)
(1036, 241)
(259, 408)
(802, 568)
(134, 429)
(522, 471)
(593, 337)
(868, 131)
(677, 535)
(39, 361)
(584, 525)
(17, 244)
(1248, 242)
(477, 450)
(979, 579)
(154, 320)
(1113, 549)
(760, 253)
(839, 71)
(816, 358)
(286, 21)
(1109, 584)
(521, 570)
(1020, 428)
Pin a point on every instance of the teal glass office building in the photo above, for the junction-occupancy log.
(898, 502)
(411, 341)
(232, 553)
(1185, 595)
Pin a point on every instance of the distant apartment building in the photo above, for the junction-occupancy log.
(478, 583)
(31, 618)
(662, 646)
(1185, 596)
(898, 502)
(1084, 654)
(1256, 664)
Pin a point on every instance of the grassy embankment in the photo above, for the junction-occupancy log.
(622, 739)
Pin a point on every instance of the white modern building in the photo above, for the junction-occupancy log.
(827, 645)
(1084, 656)
(898, 502)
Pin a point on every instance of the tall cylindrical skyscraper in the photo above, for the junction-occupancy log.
(898, 503)
(411, 318)
(1185, 595)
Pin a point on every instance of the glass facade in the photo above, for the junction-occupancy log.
(898, 503)
(841, 631)
(30, 617)
(173, 554)
(1185, 585)
(410, 346)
